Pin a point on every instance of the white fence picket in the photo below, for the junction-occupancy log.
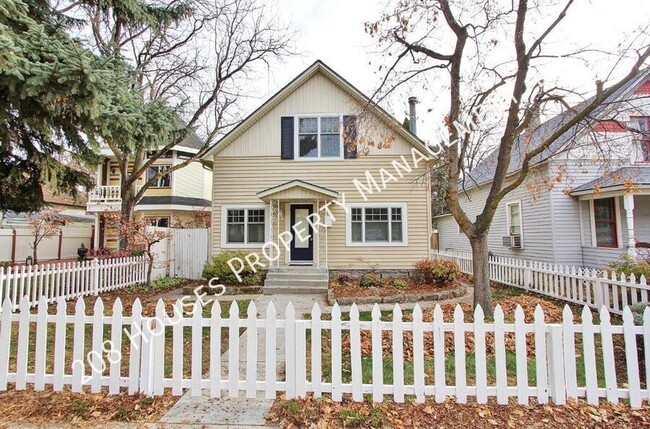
(398, 355)
(271, 387)
(215, 350)
(418, 354)
(355, 354)
(233, 350)
(251, 351)
(316, 352)
(337, 392)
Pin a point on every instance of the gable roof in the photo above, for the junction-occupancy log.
(297, 184)
(287, 90)
(484, 171)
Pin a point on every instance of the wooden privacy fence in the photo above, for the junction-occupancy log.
(69, 280)
(327, 354)
(578, 285)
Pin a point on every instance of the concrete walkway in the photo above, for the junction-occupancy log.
(239, 413)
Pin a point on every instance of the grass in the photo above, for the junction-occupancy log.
(450, 370)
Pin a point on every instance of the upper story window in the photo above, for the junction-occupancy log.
(641, 135)
(163, 181)
(319, 137)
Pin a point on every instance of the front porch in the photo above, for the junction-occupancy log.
(298, 224)
(614, 220)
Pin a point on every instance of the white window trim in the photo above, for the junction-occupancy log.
(296, 139)
(348, 225)
(592, 221)
(521, 220)
(224, 224)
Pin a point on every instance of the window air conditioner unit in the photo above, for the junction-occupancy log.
(513, 241)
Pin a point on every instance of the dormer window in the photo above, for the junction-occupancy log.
(319, 137)
(641, 135)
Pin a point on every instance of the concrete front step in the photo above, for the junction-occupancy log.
(301, 276)
(271, 290)
(298, 270)
(296, 283)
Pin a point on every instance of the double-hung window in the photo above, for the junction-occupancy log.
(319, 137)
(244, 226)
(163, 181)
(604, 216)
(514, 218)
(641, 135)
(377, 225)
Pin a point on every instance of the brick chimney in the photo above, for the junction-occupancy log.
(412, 115)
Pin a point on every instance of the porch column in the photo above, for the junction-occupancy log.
(275, 229)
(322, 234)
(628, 204)
(96, 240)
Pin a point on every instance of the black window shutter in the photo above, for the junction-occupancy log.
(286, 137)
(350, 136)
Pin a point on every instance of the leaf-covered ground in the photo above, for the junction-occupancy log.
(50, 407)
(324, 413)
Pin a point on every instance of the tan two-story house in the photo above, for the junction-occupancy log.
(320, 179)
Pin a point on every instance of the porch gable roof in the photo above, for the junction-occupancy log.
(625, 179)
(295, 190)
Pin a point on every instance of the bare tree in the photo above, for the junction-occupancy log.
(462, 40)
(196, 58)
(44, 224)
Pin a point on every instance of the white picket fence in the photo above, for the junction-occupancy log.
(168, 352)
(69, 280)
(577, 285)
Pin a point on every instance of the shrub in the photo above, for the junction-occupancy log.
(437, 272)
(370, 280)
(218, 267)
(638, 310)
(167, 282)
(399, 283)
(344, 279)
(629, 265)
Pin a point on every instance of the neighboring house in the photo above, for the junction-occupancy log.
(176, 199)
(301, 152)
(586, 201)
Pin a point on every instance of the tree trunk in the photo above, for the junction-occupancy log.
(34, 252)
(480, 264)
(126, 215)
(149, 267)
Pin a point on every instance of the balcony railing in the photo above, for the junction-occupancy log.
(104, 198)
(105, 194)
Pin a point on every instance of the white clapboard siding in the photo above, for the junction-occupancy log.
(577, 285)
(69, 280)
(147, 340)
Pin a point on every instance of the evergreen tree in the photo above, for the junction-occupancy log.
(50, 87)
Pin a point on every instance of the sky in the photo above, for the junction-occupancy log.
(333, 31)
